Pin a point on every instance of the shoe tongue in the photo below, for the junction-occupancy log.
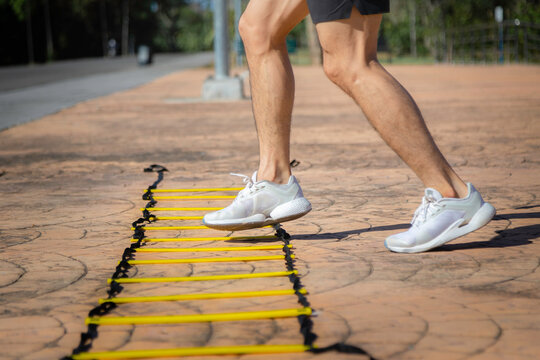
(254, 177)
(433, 194)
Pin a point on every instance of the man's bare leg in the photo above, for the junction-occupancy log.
(264, 27)
(350, 61)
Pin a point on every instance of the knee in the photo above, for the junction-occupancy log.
(257, 36)
(338, 70)
(345, 71)
(332, 68)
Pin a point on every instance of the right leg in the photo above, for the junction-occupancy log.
(264, 27)
(275, 195)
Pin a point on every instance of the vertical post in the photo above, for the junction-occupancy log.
(516, 33)
(237, 39)
(499, 18)
(221, 86)
(29, 36)
(104, 30)
(501, 43)
(483, 44)
(313, 42)
(412, 27)
(48, 30)
(221, 48)
(450, 49)
(525, 45)
(125, 27)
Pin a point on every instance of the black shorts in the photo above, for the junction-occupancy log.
(329, 10)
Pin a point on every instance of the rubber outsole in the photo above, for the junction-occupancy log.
(285, 212)
(454, 231)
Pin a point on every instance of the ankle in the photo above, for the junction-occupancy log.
(275, 175)
(457, 191)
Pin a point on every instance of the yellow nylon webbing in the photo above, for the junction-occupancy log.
(222, 238)
(173, 227)
(195, 197)
(182, 209)
(194, 351)
(202, 278)
(230, 248)
(195, 190)
(207, 260)
(225, 295)
(183, 319)
(197, 227)
(179, 217)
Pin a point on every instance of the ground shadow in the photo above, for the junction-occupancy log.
(505, 238)
(518, 236)
(532, 215)
(339, 235)
(528, 207)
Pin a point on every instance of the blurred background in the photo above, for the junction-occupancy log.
(461, 31)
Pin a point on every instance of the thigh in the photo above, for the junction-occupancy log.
(278, 17)
(355, 36)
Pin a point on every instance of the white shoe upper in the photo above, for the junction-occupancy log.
(257, 198)
(435, 215)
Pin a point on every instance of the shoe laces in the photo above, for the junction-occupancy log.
(425, 210)
(250, 188)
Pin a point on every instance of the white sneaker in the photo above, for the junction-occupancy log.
(260, 203)
(439, 220)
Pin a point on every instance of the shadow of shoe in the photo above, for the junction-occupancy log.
(518, 236)
(340, 235)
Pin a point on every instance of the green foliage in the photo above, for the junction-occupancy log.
(17, 6)
(527, 11)
(186, 25)
(434, 17)
(183, 27)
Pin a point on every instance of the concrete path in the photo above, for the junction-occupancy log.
(28, 93)
(72, 183)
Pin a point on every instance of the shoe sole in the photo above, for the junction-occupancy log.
(285, 212)
(454, 231)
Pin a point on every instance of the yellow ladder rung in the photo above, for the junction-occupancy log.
(211, 249)
(195, 190)
(173, 227)
(203, 278)
(183, 319)
(193, 351)
(195, 197)
(179, 217)
(197, 227)
(183, 209)
(220, 238)
(207, 260)
(226, 295)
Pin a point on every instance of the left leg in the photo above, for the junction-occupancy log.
(350, 61)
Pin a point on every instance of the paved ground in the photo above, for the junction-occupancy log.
(30, 92)
(72, 181)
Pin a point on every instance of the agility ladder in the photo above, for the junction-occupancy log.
(98, 315)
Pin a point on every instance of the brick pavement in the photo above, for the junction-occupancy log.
(71, 185)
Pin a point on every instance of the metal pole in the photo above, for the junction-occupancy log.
(48, 31)
(237, 39)
(125, 27)
(221, 48)
(29, 37)
(525, 45)
(412, 27)
(516, 49)
(499, 17)
(501, 43)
